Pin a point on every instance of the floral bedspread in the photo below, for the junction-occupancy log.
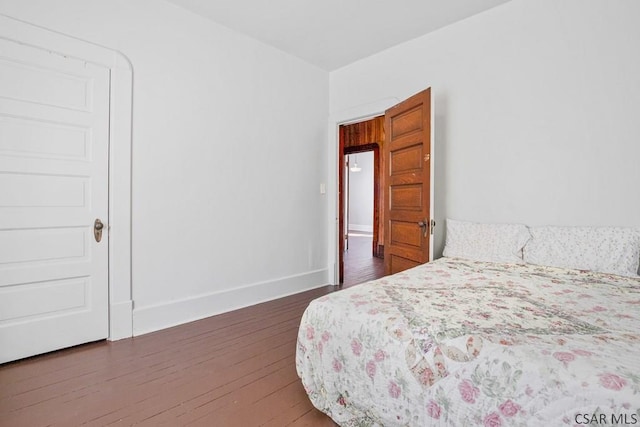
(457, 342)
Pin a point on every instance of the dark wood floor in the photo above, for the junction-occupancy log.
(359, 263)
(234, 369)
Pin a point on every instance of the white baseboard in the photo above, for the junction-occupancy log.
(161, 316)
(120, 320)
(361, 227)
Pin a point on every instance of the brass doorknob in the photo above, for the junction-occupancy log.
(97, 229)
(425, 226)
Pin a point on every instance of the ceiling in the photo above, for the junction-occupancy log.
(335, 33)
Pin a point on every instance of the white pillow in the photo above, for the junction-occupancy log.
(614, 250)
(486, 242)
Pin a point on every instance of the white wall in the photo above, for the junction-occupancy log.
(536, 111)
(229, 150)
(361, 192)
(536, 122)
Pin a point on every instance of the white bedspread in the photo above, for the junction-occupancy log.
(457, 342)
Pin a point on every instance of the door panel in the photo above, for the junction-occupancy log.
(54, 144)
(401, 263)
(406, 122)
(403, 234)
(408, 196)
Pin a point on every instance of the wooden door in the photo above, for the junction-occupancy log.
(54, 148)
(408, 152)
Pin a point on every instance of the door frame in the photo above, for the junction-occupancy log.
(343, 201)
(119, 179)
(349, 116)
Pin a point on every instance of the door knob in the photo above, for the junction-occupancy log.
(97, 229)
(425, 226)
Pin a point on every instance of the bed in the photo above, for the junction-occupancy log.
(464, 341)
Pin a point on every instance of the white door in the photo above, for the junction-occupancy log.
(54, 143)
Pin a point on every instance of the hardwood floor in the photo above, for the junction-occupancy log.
(359, 263)
(234, 369)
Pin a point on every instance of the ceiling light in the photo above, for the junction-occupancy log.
(355, 167)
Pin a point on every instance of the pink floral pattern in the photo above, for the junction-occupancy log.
(509, 409)
(356, 347)
(564, 357)
(371, 369)
(468, 392)
(433, 409)
(394, 390)
(310, 333)
(492, 420)
(612, 381)
(458, 342)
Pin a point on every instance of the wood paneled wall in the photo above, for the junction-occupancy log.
(363, 133)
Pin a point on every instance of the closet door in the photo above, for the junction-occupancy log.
(54, 144)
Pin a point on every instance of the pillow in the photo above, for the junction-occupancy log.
(614, 250)
(486, 242)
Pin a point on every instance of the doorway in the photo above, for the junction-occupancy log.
(360, 260)
(405, 223)
(360, 244)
